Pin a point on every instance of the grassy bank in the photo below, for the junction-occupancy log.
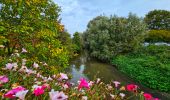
(149, 66)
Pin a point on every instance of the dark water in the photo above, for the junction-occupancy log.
(91, 69)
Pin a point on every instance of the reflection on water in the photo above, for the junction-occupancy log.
(91, 69)
(77, 73)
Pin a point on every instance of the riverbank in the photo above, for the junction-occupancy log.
(149, 66)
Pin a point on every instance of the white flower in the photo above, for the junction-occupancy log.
(98, 80)
(21, 94)
(49, 78)
(112, 96)
(24, 61)
(84, 98)
(55, 95)
(35, 65)
(24, 50)
(122, 95)
(63, 76)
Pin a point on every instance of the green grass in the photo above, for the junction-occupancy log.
(149, 66)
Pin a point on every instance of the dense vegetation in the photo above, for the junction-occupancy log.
(35, 48)
(78, 42)
(119, 40)
(106, 37)
(35, 26)
(158, 22)
(149, 66)
(158, 36)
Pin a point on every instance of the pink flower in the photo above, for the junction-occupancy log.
(116, 83)
(44, 86)
(63, 76)
(55, 95)
(4, 79)
(83, 83)
(21, 94)
(29, 71)
(24, 50)
(11, 93)
(147, 96)
(35, 65)
(38, 91)
(65, 86)
(9, 66)
(132, 87)
(156, 98)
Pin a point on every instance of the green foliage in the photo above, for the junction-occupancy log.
(106, 37)
(34, 25)
(158, 36)
(77, 41)
(158, 19)
(149, 66)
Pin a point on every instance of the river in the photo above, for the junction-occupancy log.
(91, 69)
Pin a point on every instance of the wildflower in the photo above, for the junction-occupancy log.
(29, 71)
(44, 86)
(38, 91)
(45, 64)
(35, 65)
(132, 87)
(156, 98)
(4, 79)
(112, 96)
(24, 50)
(122, 95)
(54, 76)
(23, 62)
(21, 94)
(109, 87)
(98, 80)
(147, 96)
(23, 69)
(11, 94)
(83, 83)
(116, 83)
(55, 95)
(49, 78)
(65, 86)
(9, 66)
(63, 76)
(91, 83)
(38, 75)
(84, 98)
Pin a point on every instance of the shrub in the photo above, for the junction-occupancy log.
(158, 36)
(106, 36)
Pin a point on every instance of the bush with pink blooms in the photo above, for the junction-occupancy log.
(27, 79)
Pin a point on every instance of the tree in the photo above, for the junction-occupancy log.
(34, 25)
(107, 37)
(77, 41)
(158, 20)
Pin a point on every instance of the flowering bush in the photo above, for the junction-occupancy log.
(24, 79)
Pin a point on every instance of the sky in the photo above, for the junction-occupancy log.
(77, 13)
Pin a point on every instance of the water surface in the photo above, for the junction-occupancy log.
(91, 69)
